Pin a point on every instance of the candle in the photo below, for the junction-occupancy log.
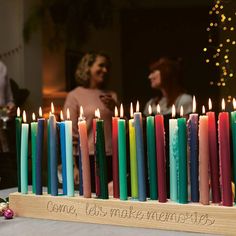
(203, 158)
(24, 155)
(39, 153)
(151, 154)
(83, 137)
(133, 157)
(48, 155)
(224, 153)
(193, 143)
(115, 165)
(122, 155)
(18, 122)
(69, 156)
(33, 128)
(161, 158)
(138, 124)
(174, 156)
(182, 167)
(101, 157)
(213, 153)
(53, 152)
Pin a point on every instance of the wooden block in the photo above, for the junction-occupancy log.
(151, 214)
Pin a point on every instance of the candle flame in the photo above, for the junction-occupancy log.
(194, 104)
(24, 116)
(52, 108)
(33, 116)
(234, 103)
(149, 110)
(97, 113)
(209, 104)
(173, 111)
(61, 115)
(203, 110)
(67, 114)
(40, 112)
(18, 112)
(131, 110)
(121, 111)
(158, 109)
(81, 112)
(137, 106)
(116, 111)
(223, 104)
(181, 111)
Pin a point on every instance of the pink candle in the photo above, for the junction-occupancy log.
(203, 158)
(213, 153)
(83, 137)
(224, 153)
(161, 158)
(115, 164)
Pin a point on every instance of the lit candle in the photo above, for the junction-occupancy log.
(224, 153)
(213, 153)
(24, 155)
(83, 137)
(133, 157)
(53, 152)
(161, 157)
(193, 143)
(138, 124)
(151, 154)
(203, 158)
(69, 156)
(115, 165)
(39, 152)
(122, 155)
(101, 157)
(48, 156)
(33, 128)
(18, 122)
(182, 167)
(174, 155)
(233, 129)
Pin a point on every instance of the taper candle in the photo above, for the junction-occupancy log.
(33, 129)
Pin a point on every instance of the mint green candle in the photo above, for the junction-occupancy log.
(182, 143)
(151, 154)
(122, 159)
(33, 128)
(233, 130)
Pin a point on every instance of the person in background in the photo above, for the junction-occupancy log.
(7, 106)
(92, 74)
(166, 76)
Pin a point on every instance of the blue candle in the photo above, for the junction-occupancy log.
(140, 154)
(194, 163)
(39, 153)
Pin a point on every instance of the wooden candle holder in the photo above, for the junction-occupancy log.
(150, 214)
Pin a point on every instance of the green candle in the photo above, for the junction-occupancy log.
(101, 156)
(151, 153)
(182, 142)
(33, 127)
(18, 122)
(122, 156)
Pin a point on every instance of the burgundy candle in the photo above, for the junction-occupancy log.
(161, 158)
(214, 159)
(115, 165)
(224, 152)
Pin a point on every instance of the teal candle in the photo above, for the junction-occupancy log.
(182, 143)
(69, 157)
(122, 156)
(24, 155)
(33, 128)
(48, 160)
(151, 154)
(18, 122)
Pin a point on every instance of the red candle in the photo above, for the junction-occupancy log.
(214, 159)
(115, 164)
(161, 158)
(224, 153)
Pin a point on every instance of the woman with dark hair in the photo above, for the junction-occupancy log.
(166, 76)
(91, 75)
